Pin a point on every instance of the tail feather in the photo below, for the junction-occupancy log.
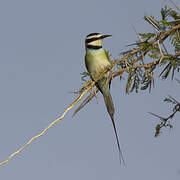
(110, 108)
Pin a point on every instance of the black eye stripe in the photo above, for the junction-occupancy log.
(92, 39)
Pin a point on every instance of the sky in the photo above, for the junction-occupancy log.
(41, 58)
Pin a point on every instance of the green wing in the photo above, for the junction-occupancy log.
(107, 55)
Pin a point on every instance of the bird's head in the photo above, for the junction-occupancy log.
(95, 40)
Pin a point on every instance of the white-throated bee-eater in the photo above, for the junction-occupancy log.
(97, 60)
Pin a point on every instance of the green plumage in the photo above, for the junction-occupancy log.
(96, 62)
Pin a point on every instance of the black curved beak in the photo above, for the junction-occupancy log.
(105, 36)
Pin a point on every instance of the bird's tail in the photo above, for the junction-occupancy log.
(110, 108)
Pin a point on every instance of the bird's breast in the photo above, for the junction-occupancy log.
(97, 63)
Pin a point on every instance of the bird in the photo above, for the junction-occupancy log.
(97, 60)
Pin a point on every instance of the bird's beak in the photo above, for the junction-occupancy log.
(105, 36)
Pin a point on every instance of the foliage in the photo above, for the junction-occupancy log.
(167, 55)
(165, 121)
(157, 50)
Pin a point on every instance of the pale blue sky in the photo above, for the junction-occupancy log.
(41, 57)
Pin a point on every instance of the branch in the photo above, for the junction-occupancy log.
(120, 71)
(165, 121)
(90, 84)
(161, 37)
(50, 125)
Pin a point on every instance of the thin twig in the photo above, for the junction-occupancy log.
(50, 125)
(162, 55)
